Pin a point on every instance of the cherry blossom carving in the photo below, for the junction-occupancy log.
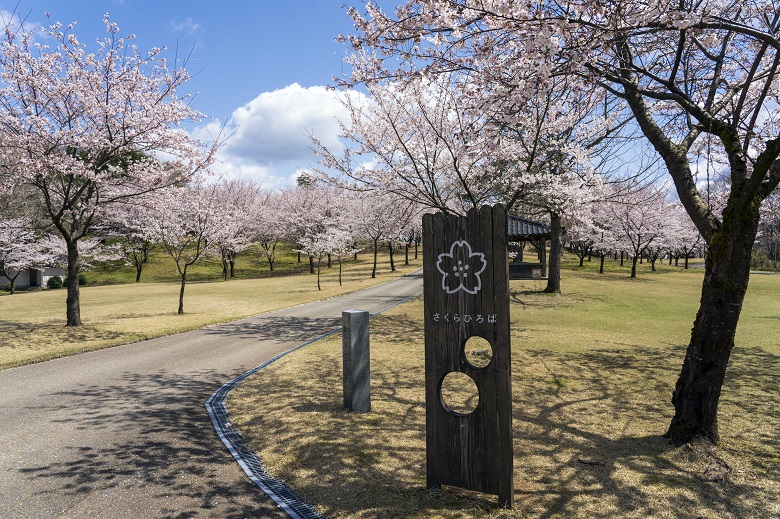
(461, 268)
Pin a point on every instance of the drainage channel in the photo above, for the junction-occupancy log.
(250, 462)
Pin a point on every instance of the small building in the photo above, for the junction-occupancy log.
(32, 278)
(520, 232)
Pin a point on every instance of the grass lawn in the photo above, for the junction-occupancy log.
(32, 323)
(593, 371)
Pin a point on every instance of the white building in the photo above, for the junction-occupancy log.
(31, 278)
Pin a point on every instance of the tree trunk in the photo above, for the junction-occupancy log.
(311, 264)
(376, 246)
(270, 258)
(392, 261)
(556, 250)
(726, 274)
(340, 269)
(224, 269)
(652, 264)
(416, 246)
(621, 258)
(406, 256)
(633, 264)
(232, 262)
(601, 265)
(329, 260)
(138, 268)
(319, 267)
(686, 261)
(73, 306)
(181, 290)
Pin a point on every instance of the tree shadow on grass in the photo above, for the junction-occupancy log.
(587, 435)
(148, 441)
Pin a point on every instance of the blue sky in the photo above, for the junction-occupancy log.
(260, 66)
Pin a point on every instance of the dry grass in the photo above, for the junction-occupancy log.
(592, 376)
(32, 323)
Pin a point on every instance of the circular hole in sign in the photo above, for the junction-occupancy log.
(459, 394)
(478, 351)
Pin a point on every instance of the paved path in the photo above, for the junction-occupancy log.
(123, 432)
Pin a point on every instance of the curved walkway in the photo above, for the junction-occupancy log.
(122, 432)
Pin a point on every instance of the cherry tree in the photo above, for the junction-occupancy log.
(21, 249)
(685, 70)
(236, 200)
(129, 223)
(87, 129)
(304, 211)
(686, 238)
(326, 227)
(185, 222)
(638, 220)
(439, 142)
(267, 224)
(381, 216)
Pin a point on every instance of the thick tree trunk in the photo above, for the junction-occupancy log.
(329, 261)
(633, 265)
(556, 250)
(232, 267)
(138, 268)
(686, 261)
(601, 264)
(73, 306)
(392, 261)
(311, 264)
(726, 274)
(621, 258)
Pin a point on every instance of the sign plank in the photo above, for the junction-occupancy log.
(466, 290)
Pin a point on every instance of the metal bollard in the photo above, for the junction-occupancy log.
(356, 361)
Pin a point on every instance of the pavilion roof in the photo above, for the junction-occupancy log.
(522, 228)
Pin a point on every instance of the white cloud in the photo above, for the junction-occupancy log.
(186, 26)
(12, 21)
(270, 134)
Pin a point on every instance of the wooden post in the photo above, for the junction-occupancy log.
(466, 288)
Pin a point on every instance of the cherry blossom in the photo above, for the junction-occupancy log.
(87, 129)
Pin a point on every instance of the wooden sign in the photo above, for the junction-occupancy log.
(466, 290)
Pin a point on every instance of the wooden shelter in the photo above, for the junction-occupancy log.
(520, 231)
